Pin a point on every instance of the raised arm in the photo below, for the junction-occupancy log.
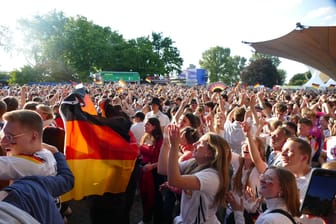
(175, 178)
(254, 152)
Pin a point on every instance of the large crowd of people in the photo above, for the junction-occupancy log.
(234, 155)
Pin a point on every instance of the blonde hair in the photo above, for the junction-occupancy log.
(220, 161)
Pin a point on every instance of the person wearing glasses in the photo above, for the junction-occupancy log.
(21, 139)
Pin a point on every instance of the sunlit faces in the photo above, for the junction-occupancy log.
(14, 139)
(277, 139)
(291, 156)
(304, 129)
(202, 152)
(269, 184)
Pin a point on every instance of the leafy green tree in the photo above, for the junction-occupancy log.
(300, 79)
(221, 66)
(168, 54)
(73, 48)
(43, 36)
(282, 76)
(261, 71)
(275, 60)
(26, 74)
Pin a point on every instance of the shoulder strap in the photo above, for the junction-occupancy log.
(285, 213)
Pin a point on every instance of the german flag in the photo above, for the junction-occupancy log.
(101, 152)
(315, 85)
(147, 79)
(122, 83)
(331, 86)
(256, 85)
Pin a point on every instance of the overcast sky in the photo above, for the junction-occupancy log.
(194, 26)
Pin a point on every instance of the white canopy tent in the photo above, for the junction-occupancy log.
(317, 80)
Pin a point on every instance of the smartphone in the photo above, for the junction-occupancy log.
(320, 193)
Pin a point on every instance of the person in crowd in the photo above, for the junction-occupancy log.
(11, 102)
(21, 138)
(233, 132)
(189, 119)
(115, 206)
(157, 113)
(280, 192)
(138, 126)
(172, 195)
(47, 115)
(204, 180)
(296, 157)
(150, 179)
(246, 173)
(35, 195)
(277, 140)
(314, 138)
(3, 109)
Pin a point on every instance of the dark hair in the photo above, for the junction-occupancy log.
(191, 134)
(11, 102)
(30, 105)
(305, 121)
(194, 120)
(3, 107)
(157, 132)
(290, 125)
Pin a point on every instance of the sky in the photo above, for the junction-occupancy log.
(194, 26)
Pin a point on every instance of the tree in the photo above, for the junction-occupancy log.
(25, 75)
(261, 71)
(6, 42)
(221, 66)
(168, 54)
(73, 48)
(275, 60)
(300, 79)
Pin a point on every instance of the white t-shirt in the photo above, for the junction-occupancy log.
(302, 184)
(193, 202)
(163, 118)
(138, 129)
(41, 163)
(234, 135)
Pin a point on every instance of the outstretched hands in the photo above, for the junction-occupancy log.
(173, 132)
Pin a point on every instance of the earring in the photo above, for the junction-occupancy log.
(279, 195)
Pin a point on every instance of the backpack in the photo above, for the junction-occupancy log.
(285, 213)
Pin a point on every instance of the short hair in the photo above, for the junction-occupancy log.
(11, 102)
(282, 107)
(26, 118)
(30, 105)
(304, 146)
(210, 104)
(306, 121)
(239, 113)
(290, 125)
(47, 110)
